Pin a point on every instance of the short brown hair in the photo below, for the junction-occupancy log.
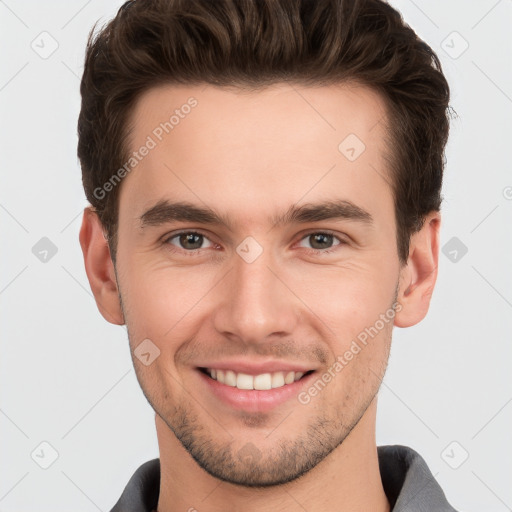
(255, 43)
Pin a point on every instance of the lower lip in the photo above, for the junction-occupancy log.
(255, 400)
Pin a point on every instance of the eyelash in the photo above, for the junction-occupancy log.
(195, 252)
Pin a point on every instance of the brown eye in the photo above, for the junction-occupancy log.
(188, 240)
(191, 240)
(322, 242)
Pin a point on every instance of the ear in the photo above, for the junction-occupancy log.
(418, 276)
(99, 267)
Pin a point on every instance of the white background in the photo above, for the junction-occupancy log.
(66, 374)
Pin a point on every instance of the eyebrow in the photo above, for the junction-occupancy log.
(166, 211)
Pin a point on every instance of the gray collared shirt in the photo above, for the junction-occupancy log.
(407, 481)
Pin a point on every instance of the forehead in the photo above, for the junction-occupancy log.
(243, 151)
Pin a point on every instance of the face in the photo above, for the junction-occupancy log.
(257, 249)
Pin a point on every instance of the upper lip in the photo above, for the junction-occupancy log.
(257, 368)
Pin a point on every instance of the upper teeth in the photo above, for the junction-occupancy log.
(262, 381)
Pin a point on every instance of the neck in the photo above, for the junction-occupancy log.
(347, 479)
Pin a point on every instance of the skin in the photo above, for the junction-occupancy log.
(249, 155)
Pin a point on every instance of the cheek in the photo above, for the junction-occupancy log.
(354, 378)
(347, 299)
(159, 301)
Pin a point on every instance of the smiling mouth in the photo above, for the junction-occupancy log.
(263, 381)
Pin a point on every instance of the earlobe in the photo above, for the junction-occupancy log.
(99, 267)
(418, 277)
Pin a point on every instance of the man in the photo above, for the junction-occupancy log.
(265, 187)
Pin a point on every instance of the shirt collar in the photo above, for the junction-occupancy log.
(408, 483)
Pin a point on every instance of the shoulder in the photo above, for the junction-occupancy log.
(408, 482)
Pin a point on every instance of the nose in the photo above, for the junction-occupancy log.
(256, 303)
